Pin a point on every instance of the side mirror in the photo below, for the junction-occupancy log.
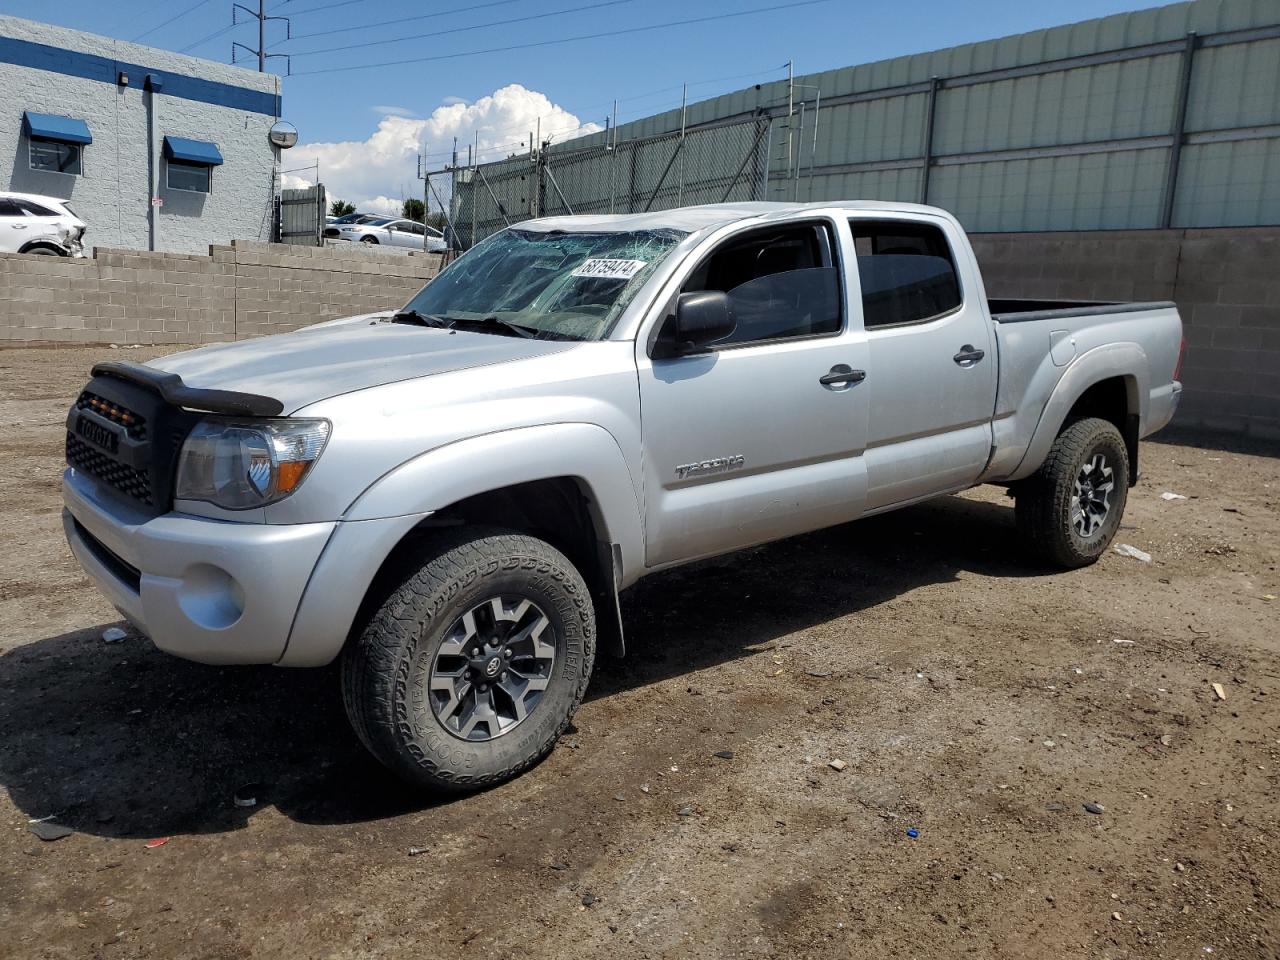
(700, 320)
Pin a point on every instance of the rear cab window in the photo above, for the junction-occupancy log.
(907, 272)
(782, 283)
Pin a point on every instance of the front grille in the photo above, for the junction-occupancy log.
(133, 483)
(332, 232)
(125, 438)
(135, 424)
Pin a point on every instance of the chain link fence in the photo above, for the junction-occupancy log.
(708, 164)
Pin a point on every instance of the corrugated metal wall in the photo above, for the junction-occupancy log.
(1072, 128)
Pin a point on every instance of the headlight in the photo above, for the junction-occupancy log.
(243, 464)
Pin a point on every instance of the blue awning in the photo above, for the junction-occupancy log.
(192, 151)
(48, 126)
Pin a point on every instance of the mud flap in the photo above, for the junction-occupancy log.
(608, 607)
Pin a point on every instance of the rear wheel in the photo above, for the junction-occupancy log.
(1069, 510)
(469, 672)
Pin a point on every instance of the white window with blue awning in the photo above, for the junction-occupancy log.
(56, 143)
(189, 164)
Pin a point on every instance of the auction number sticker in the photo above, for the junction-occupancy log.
(610, 269)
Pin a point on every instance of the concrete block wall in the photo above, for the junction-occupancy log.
(1226, 283)
(247, 289)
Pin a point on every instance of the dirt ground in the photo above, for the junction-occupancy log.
(973, 700)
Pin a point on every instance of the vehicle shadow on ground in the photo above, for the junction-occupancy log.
(124, 741)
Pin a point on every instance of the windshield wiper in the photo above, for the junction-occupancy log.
(421, 319)
(511, 329)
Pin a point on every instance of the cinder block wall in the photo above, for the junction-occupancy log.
(1226, 283)
(247, 289)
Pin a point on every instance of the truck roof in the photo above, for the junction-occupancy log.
(709, 215)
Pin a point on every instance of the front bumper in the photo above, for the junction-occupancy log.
(206, 590)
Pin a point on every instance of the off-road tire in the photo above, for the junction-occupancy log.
(1043, 501)
(385, 667)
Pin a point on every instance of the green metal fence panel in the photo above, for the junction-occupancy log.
(1235, 86)
(1232, 184)
(1167, 116)
(1102, 191)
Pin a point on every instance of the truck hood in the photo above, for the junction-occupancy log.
(326, 361)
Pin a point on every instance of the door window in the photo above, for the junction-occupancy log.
(33, 209)
(907, 272)
(10, 208)
(782, 283)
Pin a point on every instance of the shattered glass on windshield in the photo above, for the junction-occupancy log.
(563, 284)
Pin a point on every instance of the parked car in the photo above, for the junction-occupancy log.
(348, 218)
(30, 223)
(449, 498)
(390, 231)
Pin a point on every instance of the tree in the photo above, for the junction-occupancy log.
(340, 208)
(412, 209)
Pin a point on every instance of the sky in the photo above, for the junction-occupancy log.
(376, 82)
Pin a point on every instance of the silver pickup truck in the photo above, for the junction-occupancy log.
(450, 498)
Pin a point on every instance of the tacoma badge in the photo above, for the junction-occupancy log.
(718, 465)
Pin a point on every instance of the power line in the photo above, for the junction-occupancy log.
(326, 6)
(178, 16)
(547, 43)
(389, 23)
(213, 36)
(475, 26)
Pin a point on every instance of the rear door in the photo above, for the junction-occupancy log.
(931, 374)
(744, 443)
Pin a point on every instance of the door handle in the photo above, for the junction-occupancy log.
(19, 226)
(968, 356)
(842, 374)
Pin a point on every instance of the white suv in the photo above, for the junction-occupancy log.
(40, 225)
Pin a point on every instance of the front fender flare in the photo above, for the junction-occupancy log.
(394, 504)
(1124, 359)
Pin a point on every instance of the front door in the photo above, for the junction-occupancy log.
(931, 382)
(746, 442)
(15, 226)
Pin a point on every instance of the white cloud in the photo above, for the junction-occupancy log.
(388, 111)
(372, 173)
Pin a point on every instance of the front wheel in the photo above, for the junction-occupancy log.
(1069, 510)
(372, 240)
(472, 669)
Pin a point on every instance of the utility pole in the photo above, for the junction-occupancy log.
(261, 53)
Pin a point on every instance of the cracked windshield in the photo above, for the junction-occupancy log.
(552, 285)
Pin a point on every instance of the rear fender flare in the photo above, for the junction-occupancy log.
(1126, 359)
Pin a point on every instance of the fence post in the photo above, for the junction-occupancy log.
(631, 187)
(1179, 126)
(927, 159)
